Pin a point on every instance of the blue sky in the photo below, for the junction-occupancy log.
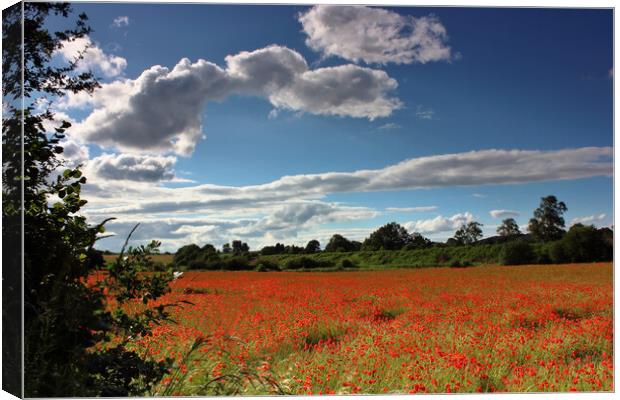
(449, 82)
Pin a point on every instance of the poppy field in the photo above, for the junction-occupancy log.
(435, 330)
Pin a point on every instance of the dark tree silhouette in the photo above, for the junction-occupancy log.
(339, 243)
(548, 223)
(508, 228)
(313, 246)
(468, 234)
(391, 236)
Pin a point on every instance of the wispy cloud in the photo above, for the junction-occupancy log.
(120, 21)
(503, 213)
(424, 113)
(590, 219)
(389, 126)
(411, 209)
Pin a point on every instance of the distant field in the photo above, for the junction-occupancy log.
(532, 328)
(163, 258)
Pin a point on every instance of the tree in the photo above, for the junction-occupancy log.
(585, 243)
(66, 318)
(468, 234)
(508, 228)
(186, 254)
(226, 248)
(548, 223)
(418, 242)
(338, 243)
(391, 236)
(313, 246)
(209, 248)
(239, 247)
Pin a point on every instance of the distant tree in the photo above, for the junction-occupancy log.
(279, 248)
(209, 248)
(355, 245)
(585, 243)
(313, 246)
(452, 242)
(468, 234)
(292, 249)
(548, 223)
(339, 243)
(391, 236)
(508, 228)
(226, 248)
(239, 247)
(185, 255)
(418, 242)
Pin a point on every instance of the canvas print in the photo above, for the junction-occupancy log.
(234, 199)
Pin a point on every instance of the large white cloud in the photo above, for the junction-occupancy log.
(289, 209)
(439, 223)
(485, 167)
(93, 58)
(374, 35)
(161, 110)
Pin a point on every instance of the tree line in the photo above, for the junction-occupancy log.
(546, 241)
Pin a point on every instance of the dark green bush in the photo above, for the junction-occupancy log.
(266, 265)
(307, 263)
(517, 252)
(460, 264)
(557, 252)
(347, 264)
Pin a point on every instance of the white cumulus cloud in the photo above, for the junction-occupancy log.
(374, 35)
(93, 58)
(439, 223)
(161, 110)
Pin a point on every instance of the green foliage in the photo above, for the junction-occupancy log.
(67, 326)
(418, 242)
(548, 223)
(338, 243)
(313, 246)
(266, 266)
(460, 264)
(468, 234)
(186, 254)
(420, 258)
(347, 264)
(239, 247)
(580, 244)
(518, 252)
(307, 263)
(391, 236)
(508, 228)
